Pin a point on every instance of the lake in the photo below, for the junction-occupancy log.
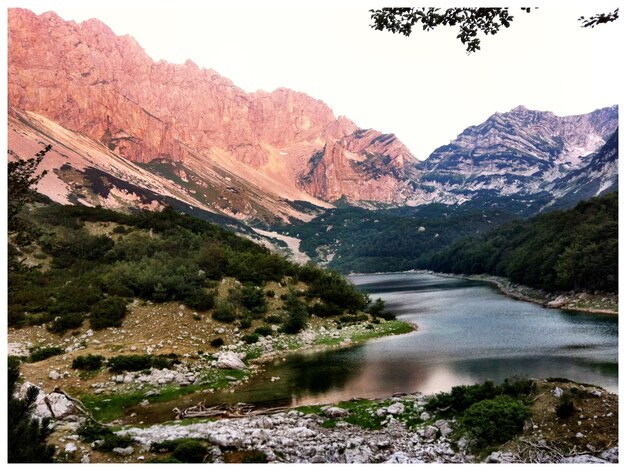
(468, 332)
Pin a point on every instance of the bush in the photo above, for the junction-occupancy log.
(108, 312)
(565, 407)
(66, 322)
(200, 299)
(494, 421)
(114, 441)
(264, 330)
(462, 397)
(274, 319)
(351, 318)
(190, 451)
(91, 431)
(270, 293)
(224, 312)
(250, 338)
(88, 362)
(250, 297)
(325, 310)
(297, 315)
(217, 342)
(42, 353)
(141, 362)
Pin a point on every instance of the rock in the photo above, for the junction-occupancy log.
(424, 416)
(558, 392)
(358, 455)
(61, 406)
(54, 375)
(611, 455)
(395, 409)
(152, 392)
(558, 302)
(429, 432)
(500, 457)
(334, 412)
(401, 457)
(596, 393)
(129, 450)
(70, 447)
(582, 459)
(85, 459)
(230, 361)
(579, 435)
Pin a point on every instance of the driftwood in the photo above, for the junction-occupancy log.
(240, 409)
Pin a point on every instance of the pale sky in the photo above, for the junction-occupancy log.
(424, 88)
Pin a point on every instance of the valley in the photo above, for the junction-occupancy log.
(202, 273)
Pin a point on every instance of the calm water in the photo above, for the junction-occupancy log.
(467, 332)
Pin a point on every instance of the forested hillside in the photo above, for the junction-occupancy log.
(73, 264)
(353, 239)
(574, 249)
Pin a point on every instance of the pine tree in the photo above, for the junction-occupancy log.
(26, 435)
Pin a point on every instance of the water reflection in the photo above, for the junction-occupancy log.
(468, 332)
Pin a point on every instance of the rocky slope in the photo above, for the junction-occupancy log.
(195, 124)
(520, 152)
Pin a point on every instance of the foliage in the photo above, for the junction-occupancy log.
(470, 21)
(91, 431)
(494, 421)
(217, 342)
(224, 312)
(61, 324)
(264, 330)
(599, 18)
(20, 181)
(141, 362)
(574, 249)
(26, 436)
(190, 451)
(565, 407)
(161, 256)
(297, 315)
(250, 338)
(108, 312)
(88, 362)
(42, 353)
(111, 441)
(389, 239)
(460, 398)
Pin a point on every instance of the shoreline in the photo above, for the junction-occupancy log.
(561, 301)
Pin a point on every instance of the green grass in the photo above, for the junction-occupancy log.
(383, 329)
(106, 408)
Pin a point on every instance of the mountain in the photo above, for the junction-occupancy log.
(253, 156)
(521, 152)
(130, 132)
(597, 177)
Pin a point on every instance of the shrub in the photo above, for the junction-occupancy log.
(114, 441)
(190, 451)
(274, 319)
(108, 312)
(66, 322)
(224, 312)
(200, 299)
(141, 362)
(565, 406)
(270, 293)
(325, 310)
(88, 362)
(42, 353)
(250, 297)
(297, 315)
(250, 338)
(494, 421)
(92, 431)
(350, 318)
(254, 456)
(217, 342)
(264, 330)
(462, 397)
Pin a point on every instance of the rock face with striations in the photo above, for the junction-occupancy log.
(88, 80)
